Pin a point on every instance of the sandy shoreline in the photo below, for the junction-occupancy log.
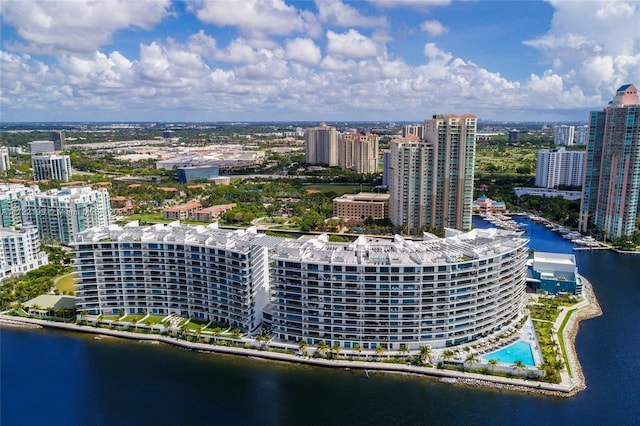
(568, 387)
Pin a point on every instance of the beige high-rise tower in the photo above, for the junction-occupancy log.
(431, 181)
(321, 145)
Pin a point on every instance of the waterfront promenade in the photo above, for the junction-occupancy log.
(570, 384)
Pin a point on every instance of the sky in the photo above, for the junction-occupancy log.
(322, 60)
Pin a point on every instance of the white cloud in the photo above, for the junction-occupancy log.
(335, 12)
(53, 27)
(254, 17)
(237, 52)
(594, 45)
(434, 28)
(350, 44)
(304, 51)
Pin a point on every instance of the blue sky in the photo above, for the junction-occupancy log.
(323, 60)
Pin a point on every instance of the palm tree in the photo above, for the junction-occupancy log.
(425, 354)
(321, 347)
(302, 345)
(519, 365)
(336, 349)
(379, 349)
(492, 363)
(357, 348)
(448, 354)
(403, 350)
(471, 359)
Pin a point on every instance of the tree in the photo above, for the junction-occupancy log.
(471, 359)
(519, 365)
(302, 345)
(380, 349)
(321, 347)
(335, 349)
(492, 363)
(425, 354)
(448, 354)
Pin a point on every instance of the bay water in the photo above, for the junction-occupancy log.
(52, 377)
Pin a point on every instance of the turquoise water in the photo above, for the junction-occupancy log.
(509, 355)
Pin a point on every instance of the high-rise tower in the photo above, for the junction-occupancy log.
(611, 188)
(431, 181)
(321, 145)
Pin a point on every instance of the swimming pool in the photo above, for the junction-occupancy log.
(509, 355)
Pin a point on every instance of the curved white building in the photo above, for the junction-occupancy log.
(192, 271)
(398, 293)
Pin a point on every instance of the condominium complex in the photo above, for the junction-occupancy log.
(321, 145)
(361, 206)
(11, 196)
(398, 293)
(431, 181)
(62, 214)
(358, 152)
(558, 166)
(193, 271)
(20, 251)
(51, 167)
(5, 164)
(390, 292)
(563, 135)
(611, 189)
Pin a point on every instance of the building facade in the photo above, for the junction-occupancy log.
(556, 273)
(192, 271)
(20, 251)
(563, 135)
(189, 174)
(41, 147)
(398, 293)
(51, 167)
(62, 214)
(611, 189)
(57, 137)
(581, 135)
(358, 152)
(321, 145)
(11, 195)
(361, 206)
(558, 166)
(182, 211)
(5, 163)
(431, 181)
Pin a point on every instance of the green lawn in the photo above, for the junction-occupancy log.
(67, 284)
(339, 189)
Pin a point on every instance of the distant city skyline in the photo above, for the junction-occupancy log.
(333, 61)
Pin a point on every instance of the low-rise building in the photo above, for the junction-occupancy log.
(189, 174)
(181, 211)
(485, 204)
(555, 273)
(361, 206)
(209, 214)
